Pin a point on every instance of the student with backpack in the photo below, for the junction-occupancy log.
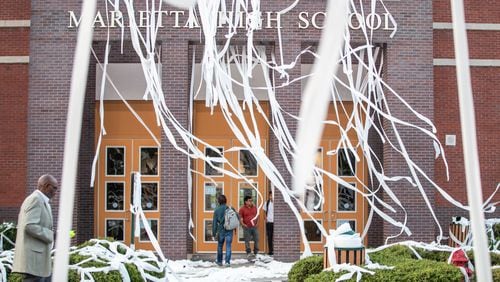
(223, 228)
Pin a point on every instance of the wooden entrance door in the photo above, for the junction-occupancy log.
(210, 183)
(340, 204)
(119, 159)
(126, 148)
(211, 127)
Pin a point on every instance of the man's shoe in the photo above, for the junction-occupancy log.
(219, 263)
(227, 265)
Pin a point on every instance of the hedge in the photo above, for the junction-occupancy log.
(112, 275)
(304, 268)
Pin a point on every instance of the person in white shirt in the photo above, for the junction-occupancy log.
(269, 209)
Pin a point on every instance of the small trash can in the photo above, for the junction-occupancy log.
(459, 232)
(354, 256)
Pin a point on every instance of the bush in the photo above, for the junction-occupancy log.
(9, 230)
(494, 257)
(305, 267)
(434, 255)
(392, 255)
(496, 274)
(405, 270)
(113, 275)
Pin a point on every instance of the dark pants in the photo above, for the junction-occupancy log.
(270, 233)
(33, 278)
(251, 233)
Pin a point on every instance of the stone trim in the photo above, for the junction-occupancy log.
(14, 59)
(469, 26)
(15, 23)
(472, 62)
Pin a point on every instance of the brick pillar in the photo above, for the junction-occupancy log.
(174, 235)
(286, 228)
(410, 73)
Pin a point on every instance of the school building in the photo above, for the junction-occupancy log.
(37, 44)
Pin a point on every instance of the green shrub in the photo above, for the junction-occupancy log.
(15, 277)
(434, 255)
(496, 274)
(407, 270)
(9, 230)
(133, 273)
(495, 258)
(305, 267)
(392, 255)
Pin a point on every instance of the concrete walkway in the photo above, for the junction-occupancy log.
(201, 267)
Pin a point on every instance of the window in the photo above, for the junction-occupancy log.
(149, 196)
(314, 186)
(346, 163)
(247, 190)
(149, 161)
(346, 199)
(212, 191)
(115, 229)
(114, 196)
(247, 163)
(352, 223)
(211, 153)
(208, 231)
(153, 224)
(313, 234)
(115, 161)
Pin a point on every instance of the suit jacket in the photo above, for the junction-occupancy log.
(34, 237)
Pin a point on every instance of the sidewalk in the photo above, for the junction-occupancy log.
(203, 268)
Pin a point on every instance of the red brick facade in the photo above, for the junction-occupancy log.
(486, 102)
(14, 41)
(35, 96)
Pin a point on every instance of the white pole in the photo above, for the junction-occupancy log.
(316, 97)
(471, 159)
(72, 142)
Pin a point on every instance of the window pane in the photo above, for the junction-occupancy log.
(114, 229)
(153, 224)
(115, 164)
(347, 167)
(313, 234)
(248, 164)
(114, 196)
(352, 223)
(312, 199)
(346, 198)
(247, 190)
(208, 231)
(149, 161)
(212, 191)
(314, 186)
(149, 196)
(219, 153)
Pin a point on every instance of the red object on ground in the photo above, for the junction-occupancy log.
(458, 258)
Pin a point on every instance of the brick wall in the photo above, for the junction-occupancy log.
(476, 11)
(15, 10)
(13, 109)
(486, 104)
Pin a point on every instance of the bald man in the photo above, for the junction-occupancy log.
(34, 233)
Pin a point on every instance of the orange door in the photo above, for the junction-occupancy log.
(317, 201)
(210, 183)
(341, 204)
(119, 159)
